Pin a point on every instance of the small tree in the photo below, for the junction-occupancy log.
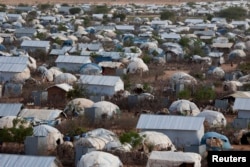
(74, 10)
(101, 9)
(167, 15)
(17, 133)
(44, 6)
(233, 13)
(204, 94)
(122, 16)
(77, 92)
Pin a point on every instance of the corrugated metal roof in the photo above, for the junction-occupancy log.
(34, 43)
(41, 114)
(99, 80)
(222, 45)
(11, 67)
(10, 109)
(11, 160)
(26, 30)
(170, 122)
(125, 27)
(14, 59)
(73, 59)
(242, 104)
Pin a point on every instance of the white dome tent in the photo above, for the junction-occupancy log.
(22, 76)
(216, 71)
(213, 118)
(135, 65)
(231, 85)
(76, 106)
(158, 140)
(184, 107)
(106, 108)
(182, 77)
(236, 53)
(100, 159)
(100, 139)
(52, 135)
(65, 78)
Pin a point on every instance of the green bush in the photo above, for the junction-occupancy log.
(74, 10)
(204, 93)
(101, 9)
(184, 94)
(132, 138)
(167, 15)
(233, 13)
(16, 133)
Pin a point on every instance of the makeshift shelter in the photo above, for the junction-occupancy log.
(47, 75)
(216, 71)
(156, 141)
(51, 135)
(104, 109)
(7, 122)
(182, 77)
(100, 139)
(231, 86)
(237, 53)
(136, 65)
(215, 141)
(77, 106)
(213, 118)
(98, 158)
(240, 45)
(245, 78)
(184, 107)
(22, 76)
(101, 84)
(65, 78)
(55, 71)
(181, 130)
(173, 159)
(90, 69)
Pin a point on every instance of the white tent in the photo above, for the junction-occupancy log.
(213, 118)
(236, 53)
(240, 45)
(22, 76)
(182, 77)
(217, 72)
(47, 75)
(184, 107)
(245, 78)
(173, 159)
(52, 134)
(107, 108)
(7, 122)
(231, 85)
(100, 159)
(137, 64)
(65, 78)
(100, 139)
(77, 106)
(55, 71)
(159, 141)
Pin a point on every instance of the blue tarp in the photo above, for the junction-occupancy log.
(209, 135)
